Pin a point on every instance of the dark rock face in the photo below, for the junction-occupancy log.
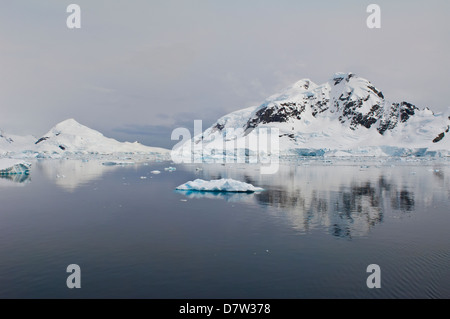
(291, 136)
(320, 107)
(281, 113)
(351, 112)
(399, 112)
(338, 80)
(41, 139)
(347, 105)
(217, 127)
(406, 111)
(374, 90)
(439, 137)
(368, 119)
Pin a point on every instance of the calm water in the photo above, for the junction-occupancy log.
(311, 234)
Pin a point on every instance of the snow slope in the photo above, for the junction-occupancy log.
(345, 116)
(14, 143)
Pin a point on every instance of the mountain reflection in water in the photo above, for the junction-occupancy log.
(346, 200)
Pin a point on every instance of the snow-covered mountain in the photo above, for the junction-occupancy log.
(345, 116)
(71, 138)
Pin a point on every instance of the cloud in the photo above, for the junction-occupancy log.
(100, 89)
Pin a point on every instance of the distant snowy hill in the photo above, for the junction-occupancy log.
(71, 138)
(345, 116)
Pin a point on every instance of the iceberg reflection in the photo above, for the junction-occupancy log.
(227, 196)
(8, 180)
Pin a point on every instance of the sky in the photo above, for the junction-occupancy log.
(136, 70)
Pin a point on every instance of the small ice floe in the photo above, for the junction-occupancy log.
(60, 176)
(155, 172)
(219, 185)
(143, 177)
(13, 167)
(170, 169)
(199, 169)
(183, 200)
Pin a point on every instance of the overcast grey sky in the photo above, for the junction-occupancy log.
(138, 69)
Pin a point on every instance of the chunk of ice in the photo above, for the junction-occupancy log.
(219, 185)
(13, 167)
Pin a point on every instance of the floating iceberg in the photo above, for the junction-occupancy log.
(13, 167)
(155, 172)
(170, 169)
(219, 185)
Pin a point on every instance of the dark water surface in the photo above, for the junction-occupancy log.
(311, 234)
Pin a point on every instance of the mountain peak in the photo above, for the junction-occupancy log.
(338, 77)
(68, 123)
(71, 127)
(345, 112)
(304, 84)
